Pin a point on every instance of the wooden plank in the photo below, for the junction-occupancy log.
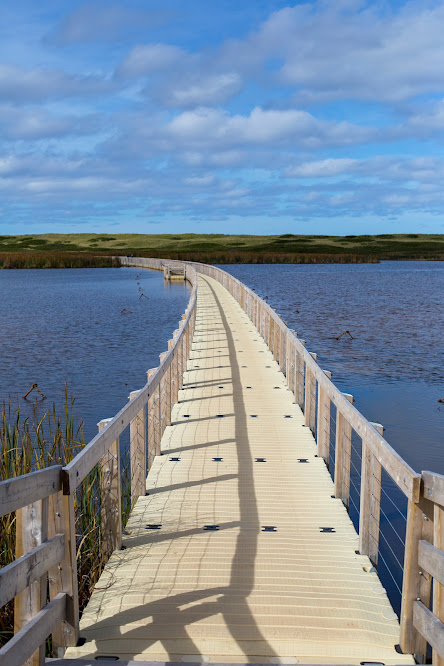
(438, 589)
(312, 406)
(19, 649)
(343, 455)
(137, 451)
(307, 396)
(300, 370)
(416, 584)
(323, 432)
(431, 559)
(28, 568)
(23, 490)
(429, 627)
(111, 505)
(152, 420)
(433, 487)
(31, 531)
(63, 576)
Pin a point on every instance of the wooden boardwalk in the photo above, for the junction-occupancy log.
(238, 553)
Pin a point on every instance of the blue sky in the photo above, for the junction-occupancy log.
(218, 116)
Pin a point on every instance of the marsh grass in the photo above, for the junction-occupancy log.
(48, 259)
(42, 439)
(243, 257)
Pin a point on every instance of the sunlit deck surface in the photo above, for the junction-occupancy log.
(239, 553)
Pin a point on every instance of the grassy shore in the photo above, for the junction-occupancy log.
(42, 250)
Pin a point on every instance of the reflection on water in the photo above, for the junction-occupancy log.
(394, 365)
(89, 327)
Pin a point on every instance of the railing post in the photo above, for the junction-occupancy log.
(300, 377)
(153, 420)
(111, 507)
(416, 584)
(177, 365)
(310, 397)
(137, 452)
(274, 341)
(343, 455)
(438, 589)
(323, 432)
(289, 360)
(370, 501)
(282, 358)
(157, 411)
(63, 577)
(31, 531)
(173, 377)
(163, 397)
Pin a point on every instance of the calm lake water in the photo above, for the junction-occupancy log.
(59, 325)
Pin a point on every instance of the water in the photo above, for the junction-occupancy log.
(68, 325)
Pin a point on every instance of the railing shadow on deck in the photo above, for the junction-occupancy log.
(45, 501)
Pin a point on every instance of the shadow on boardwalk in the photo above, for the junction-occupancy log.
(232, 602)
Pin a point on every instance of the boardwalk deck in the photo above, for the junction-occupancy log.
(252, 560)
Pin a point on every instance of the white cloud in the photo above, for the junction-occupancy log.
(201, 90)
(322, 168)
(262, 127)
(200, 181)
(349, 50)
(150, 58)
(34, 123)
(96, 21)
(19, 85)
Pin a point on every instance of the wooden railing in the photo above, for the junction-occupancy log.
(44, 501)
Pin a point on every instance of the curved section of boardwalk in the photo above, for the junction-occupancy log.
(238, 553)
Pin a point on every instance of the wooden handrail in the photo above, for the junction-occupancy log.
(22, 490)
(18, 575)
(27, 640)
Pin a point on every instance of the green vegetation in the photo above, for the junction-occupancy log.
(54, 259)
(41, 440)
(71, 249)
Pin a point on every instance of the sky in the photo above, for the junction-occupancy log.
(216, 116)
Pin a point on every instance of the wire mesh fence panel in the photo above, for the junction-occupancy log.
(355, 479)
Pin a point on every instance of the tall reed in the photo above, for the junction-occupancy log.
(42, 439)
(48, 259)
